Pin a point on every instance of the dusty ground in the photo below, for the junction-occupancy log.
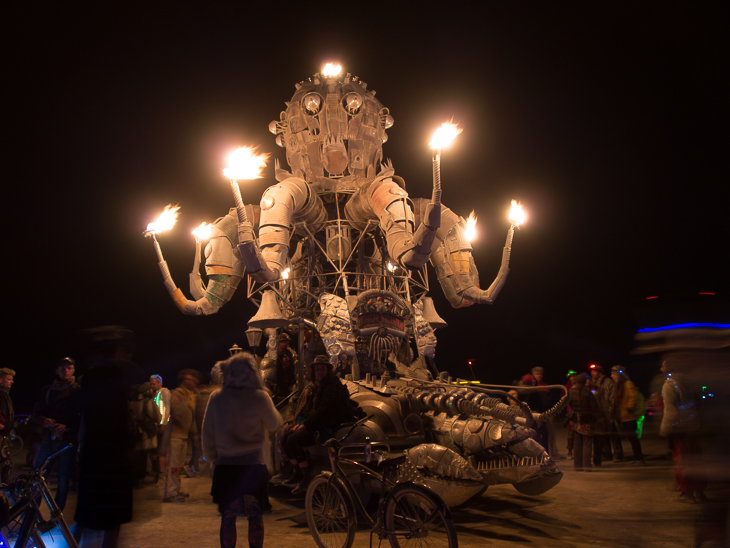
(617, 505)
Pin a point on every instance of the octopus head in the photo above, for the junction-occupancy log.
(332, 127)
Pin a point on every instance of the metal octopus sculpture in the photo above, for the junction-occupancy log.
(338, 248)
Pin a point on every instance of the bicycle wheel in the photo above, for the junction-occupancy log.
(15, 445)
(416, 517)
(330, 514)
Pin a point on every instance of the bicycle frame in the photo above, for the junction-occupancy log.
(337, 472)
(33, 524)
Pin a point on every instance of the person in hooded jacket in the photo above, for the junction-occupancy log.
(236, 420)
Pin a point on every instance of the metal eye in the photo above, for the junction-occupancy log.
(353, 102)
(274, 127)
(388, 123)
(280, 140)
(312, 103)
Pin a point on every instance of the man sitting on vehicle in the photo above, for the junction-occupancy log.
(322, 406)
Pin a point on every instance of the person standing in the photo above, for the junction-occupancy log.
(161, 397)
(622, 408)
(58, 413)
(182, 426)
(234, 426)
(584, 414)
(106, 435)
(601, 386)
(147, 418)
(7, 420)
(681, 424)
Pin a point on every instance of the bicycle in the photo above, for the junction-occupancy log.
(15, 443)
(24, 517)
(408, 514)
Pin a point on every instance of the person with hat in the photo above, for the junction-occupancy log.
(622, 407)
(58, 413)
(322, 406)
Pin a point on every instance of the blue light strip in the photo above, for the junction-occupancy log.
(684, 326)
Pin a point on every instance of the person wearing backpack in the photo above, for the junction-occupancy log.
(624, 409)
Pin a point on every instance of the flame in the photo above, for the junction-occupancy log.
(203, 231)
(516, 214)
(165, 221)
(245, 164)
(443, 136)
(471, 227)
(391, 267)
(330, 69)
(285, 274)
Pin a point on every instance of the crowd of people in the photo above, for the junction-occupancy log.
(125, 428)
(601, 412)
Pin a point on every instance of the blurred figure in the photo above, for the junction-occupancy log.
(234, 428)
(147, 418)
(182, 426)
(534, 401)
(571, 439)
(681, 424)
(106, 437)
(622, 406)
(546, 401)
(161, 397)
(57, 411)
(583, 418)
(201, 403)
(601, 386)
(7, 420)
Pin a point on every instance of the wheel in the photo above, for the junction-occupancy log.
(15, 445)
(330, 513)
(416, 517)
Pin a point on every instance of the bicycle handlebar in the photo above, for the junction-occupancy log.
(42, 469)
(333, 440)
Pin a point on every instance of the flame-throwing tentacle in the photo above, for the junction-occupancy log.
(451, 256)
(384, 199)
(283, 204)
(223, 266)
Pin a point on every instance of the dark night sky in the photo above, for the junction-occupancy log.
(609, 124)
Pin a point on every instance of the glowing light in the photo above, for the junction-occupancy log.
(165, 221)
(444, 135)
(203, 231)
(471, 227)
(285, 274)
(330, 69)
(517, 215)
(391, 267)
(685, 326)
(652, 297)
(245, 164)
